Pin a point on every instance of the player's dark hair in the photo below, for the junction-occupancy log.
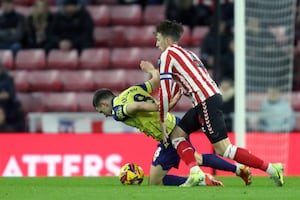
(101, 94)
(171, 29)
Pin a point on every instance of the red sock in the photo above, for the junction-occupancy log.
(186, 153)
(243, 156)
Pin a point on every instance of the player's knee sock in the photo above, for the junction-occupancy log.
(214, 161)
(243, 156)
(173, 180)
(185, 151)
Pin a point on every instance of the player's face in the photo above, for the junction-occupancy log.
(161, 42)
(104, 108)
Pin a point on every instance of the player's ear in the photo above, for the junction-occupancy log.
(169, 40)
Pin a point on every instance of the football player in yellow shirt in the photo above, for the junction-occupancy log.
(137, 108)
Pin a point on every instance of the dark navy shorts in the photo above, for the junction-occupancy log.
(167, 157)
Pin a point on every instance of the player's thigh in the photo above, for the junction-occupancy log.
(188, 124)
(156, 175)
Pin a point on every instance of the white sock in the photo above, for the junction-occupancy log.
(230, 151)
(176, 141)
(237, 171)
(270, 170)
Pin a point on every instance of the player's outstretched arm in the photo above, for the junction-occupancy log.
(155, 77)
(135, 107)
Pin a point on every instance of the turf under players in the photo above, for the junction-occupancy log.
(136, 107)
(185, 68)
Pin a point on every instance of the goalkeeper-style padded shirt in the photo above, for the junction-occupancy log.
(146, 122)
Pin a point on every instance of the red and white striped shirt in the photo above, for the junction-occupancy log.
(186, 69)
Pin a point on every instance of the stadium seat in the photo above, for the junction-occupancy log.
(126, 14)
(97, 58)
(126, 58)
(198, 34)
(84, 101)
(111, 36)
(112, 79)
(7, 59)
(139, 77)
(295, 101)
(22, 2)
(76, 80)
(21, 80)
(24, 10)
(53, 8)
(100, 14)
(254, 101)
(140, 36)
(44, 80)
(186, 37)
(195, 50)
(57, 101)
(150, 54)
(31, 59)
(297, 125)
(153, 14)
(30, 102)
(58, 59)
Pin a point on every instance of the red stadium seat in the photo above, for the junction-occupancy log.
(24, 10)
(54, 8)
(77, 80)
(126, 58)
(185, 39)
(84, 101)
(21, 80)
(7, 59)
(111, 36)
(112, 79)
(57, 101)
(254, 101)
(30, 59)
(22, 2)
(153, 14)
(198, 34)
(44, 80)
(295, 101)
(100, 14)
(297, 125)
(150, 54)
(134, 77)
(97, 58)
(126, 14)
(140, 36)
(195, 50)
(30, 102)
(58, 59)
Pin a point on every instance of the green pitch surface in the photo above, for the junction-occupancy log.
(109, 188)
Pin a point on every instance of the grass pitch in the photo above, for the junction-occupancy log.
(109, 188)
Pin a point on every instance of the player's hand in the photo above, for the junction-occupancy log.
(175, 99)
(164, 132)
(146, 66)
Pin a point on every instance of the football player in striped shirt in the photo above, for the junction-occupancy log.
(137, 108)
(183, 67)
